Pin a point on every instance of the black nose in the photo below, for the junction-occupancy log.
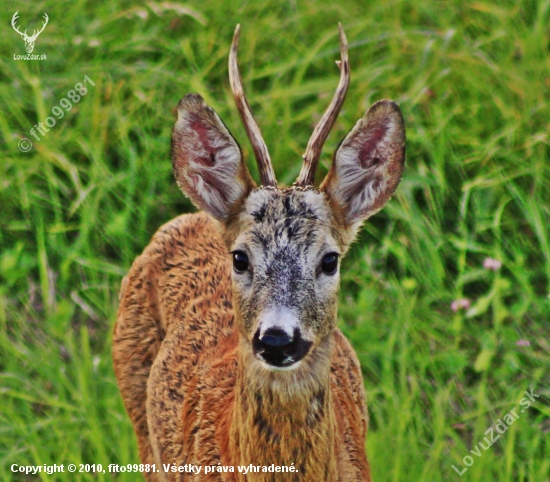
(278, 349)
(275, 337)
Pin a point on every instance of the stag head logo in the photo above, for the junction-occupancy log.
(29, 40)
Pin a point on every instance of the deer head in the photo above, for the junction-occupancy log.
(29, 41)
(286, 244)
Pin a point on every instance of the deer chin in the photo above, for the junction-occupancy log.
(274, 368)
(288, 382)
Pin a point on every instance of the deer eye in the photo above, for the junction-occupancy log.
(240, 261)
(329, 263)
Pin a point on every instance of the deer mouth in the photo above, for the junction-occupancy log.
(276, 348)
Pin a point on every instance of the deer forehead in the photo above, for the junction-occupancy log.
(291, 222)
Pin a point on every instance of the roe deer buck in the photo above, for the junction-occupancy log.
(226, 348)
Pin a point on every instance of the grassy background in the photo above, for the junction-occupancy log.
(473, 82)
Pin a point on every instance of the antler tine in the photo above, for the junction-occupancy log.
(14, 21)
(320, 133)
(46, 22)
(36, 33)
(265, 167)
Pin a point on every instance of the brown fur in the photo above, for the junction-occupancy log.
(187, 385)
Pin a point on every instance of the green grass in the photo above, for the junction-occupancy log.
(473, 82)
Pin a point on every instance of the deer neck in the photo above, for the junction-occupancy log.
(285, 417)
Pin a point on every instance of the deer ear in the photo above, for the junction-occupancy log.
(368, 164)
(207, 161)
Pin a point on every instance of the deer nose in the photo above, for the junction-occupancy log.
(276, 348)
(275, 337)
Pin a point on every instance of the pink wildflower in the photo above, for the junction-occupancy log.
(461, 303)
(491, 263)
(523, 343)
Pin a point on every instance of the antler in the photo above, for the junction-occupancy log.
(13, 20)
(35, 34)
(321, 131)
(265, 167)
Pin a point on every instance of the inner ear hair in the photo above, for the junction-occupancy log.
(368, 164)
(207, 160)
